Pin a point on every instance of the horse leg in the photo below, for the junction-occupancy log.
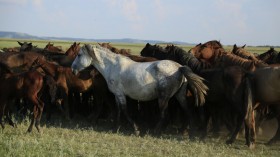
(163, 104)
(40, 111)
(250, 132)
(8, 116)
(35, 113)
(2, 110)
(181, 97)
(121, 101)
(239, 122)
(276, 137)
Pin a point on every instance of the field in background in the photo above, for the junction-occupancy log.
(80, 138)
(135, 48)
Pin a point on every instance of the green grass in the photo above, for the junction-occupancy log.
(78, 138)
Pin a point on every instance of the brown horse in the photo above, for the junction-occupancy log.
(73, 50)
(241, 52)
(18, 61)
(65, 80)
(67, 58)
(23, 85)
(55, 49)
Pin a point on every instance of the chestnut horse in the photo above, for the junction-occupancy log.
(220, 58)
(67, 58)
(206, 51)
(22, 85)
(54, 49)
(241, 52)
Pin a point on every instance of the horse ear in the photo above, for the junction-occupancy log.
(243, 46)
(272, 48)
(90, 50)
(234, 46)
(20, 43)
(148, 44)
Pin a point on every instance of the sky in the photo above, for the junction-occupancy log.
(251, 22)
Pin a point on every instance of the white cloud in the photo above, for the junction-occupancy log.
(37, 3)
(14, 2)
(129, 8)
(233, 11)
(160, 9)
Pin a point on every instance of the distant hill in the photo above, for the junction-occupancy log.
(17, 35)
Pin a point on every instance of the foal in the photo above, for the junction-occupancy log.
(23, 85)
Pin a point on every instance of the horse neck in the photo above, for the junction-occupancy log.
(49, 68)
(72, 52)
(230, 60)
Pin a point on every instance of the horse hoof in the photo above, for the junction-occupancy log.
(269, 143)
(229, 141)
(251, 145)
(137, 133)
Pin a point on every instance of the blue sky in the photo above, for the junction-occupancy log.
(251, 22)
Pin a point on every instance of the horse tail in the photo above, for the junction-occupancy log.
(196, 85)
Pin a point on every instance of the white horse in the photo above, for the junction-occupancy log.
(142, 81)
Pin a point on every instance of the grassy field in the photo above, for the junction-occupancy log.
(80, 138)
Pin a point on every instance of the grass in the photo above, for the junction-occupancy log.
(79, 138)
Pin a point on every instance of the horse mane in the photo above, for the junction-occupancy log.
(214, 43)
(190, 60)
(232, 59)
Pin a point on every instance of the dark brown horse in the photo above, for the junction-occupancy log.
(266, 92)
(22, 85)
(270, 57)
(229, 88)
(241, 52)
(28, 47)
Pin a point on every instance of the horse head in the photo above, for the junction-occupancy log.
(25, 46)
(83, 59)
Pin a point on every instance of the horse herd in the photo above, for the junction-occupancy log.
(205, 84)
